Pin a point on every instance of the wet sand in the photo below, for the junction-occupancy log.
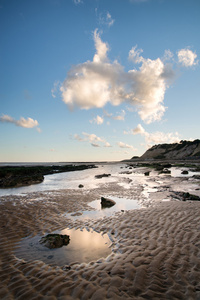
(155, 249)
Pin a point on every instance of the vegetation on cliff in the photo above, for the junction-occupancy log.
(182, 150)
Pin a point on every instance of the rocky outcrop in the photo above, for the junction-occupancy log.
(16, 176)
(55, 240)
(182, 150)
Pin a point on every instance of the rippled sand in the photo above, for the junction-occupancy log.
(155, 250)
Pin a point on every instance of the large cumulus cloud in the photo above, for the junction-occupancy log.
(95, 83)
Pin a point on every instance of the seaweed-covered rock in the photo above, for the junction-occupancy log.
(186, 196)
(184, 172)
(147, 173)
(105, 202)
(102, 175)
(55, 240)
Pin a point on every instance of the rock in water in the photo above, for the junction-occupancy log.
(55, 240)
(105, 202)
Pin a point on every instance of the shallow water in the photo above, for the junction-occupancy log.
(122, 204)
(70, 180)
(84, 247)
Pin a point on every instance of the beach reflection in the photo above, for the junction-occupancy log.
(84, 247)
(122, 204)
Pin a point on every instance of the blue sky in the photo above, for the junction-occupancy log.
(96, 80)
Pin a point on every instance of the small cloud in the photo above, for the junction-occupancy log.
(56, 88)
(105, 18)
(93, 139)
(107, 145)
(78, 138)
(168, 55)
(119, 117)
(187, 57)
(38, 130)
(95, 145)
(109, 19)
(139, 130)
(123, 145)
(26, 123)
(77, 2)
(98, 120)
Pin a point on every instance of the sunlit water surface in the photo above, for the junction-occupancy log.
(84, 246)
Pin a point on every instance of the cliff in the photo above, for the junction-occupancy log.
(182, 150)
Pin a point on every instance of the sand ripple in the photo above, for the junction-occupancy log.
(156, 251)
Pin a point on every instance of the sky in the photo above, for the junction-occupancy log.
(97, 80)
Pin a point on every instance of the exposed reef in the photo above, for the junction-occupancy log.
(14, 176)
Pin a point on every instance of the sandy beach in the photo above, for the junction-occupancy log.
(154, 250)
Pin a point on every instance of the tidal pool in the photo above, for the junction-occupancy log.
(84, 247)
(122, 204)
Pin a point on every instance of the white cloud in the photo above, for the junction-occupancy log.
(98, 120)
(93, 139)
(78, 138)
(139, 130)
(119, 117)
(109, 20)
(123, 145)
(98, 82)
(149, 85)
(55, 89)
(22, 122)
(77, 1)
(168, 55)
(156, 137)
(104, 18)
(187, 58)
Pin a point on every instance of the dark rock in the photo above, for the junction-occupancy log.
(66, 268)
(186, 196)
(184, 172)
(126, 172)
(55, 240)
(81, 186)
(105, 202)
(147, 173)
(102, 175)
